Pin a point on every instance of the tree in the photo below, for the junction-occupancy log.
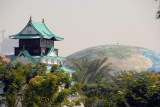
(43, 91)
(32, 86)
(51, 89)
(158, 12)
(101, 94)
(142, 90)
(130, 90)
(88, 71)
(15, 78)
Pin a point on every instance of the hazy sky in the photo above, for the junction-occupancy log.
(86, 23)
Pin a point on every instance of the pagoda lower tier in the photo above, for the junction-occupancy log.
(50, 58)
(36, 44)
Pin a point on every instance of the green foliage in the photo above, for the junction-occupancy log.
(54, 68)
(63, 78)
(142, 90)
(103, 93)
(130, 90)
(48, 89)
(77, 103)
(88, 71)
(40, 69)
(35, 87)
(62, 96)
(90, 101)
(76, 88)
(40, 89)
(13, 78)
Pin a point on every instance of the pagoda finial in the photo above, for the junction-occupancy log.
(30, 20)
(43, 20)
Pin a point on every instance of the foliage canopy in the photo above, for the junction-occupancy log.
(32, 86)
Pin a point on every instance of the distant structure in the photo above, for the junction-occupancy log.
(1, 40)
(36, 44)
(2, 32)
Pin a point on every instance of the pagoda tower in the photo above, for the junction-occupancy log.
(36, 44)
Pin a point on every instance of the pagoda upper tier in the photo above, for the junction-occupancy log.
(36, 44)
(35, 30)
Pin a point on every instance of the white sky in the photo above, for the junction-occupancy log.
(86, 23)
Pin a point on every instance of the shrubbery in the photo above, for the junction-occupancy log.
(130, 90)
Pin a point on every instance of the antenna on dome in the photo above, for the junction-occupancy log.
(43, 20)
(30, 20)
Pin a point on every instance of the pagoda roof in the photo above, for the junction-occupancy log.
(66, 69)
(25, 52)
(40, 28)
(50, 51)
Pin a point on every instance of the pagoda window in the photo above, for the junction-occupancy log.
(46, 60)
(45, 42)
(49, 60)
(42, 41)
(52, 60)
(55, 61)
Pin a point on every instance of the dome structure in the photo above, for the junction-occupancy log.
(123, 57)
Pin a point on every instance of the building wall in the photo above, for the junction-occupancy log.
(48, 60)
(46, 43)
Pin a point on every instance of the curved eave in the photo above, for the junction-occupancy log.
(10, 56)
(24, 37)
(46, 33)
(66, 69)
(25, 52)
(33, 37)
(50, 51)
(60, 57)
(50, 57)
(41, 29)
(58, 38)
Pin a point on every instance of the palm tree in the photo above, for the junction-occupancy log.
(88, 71)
